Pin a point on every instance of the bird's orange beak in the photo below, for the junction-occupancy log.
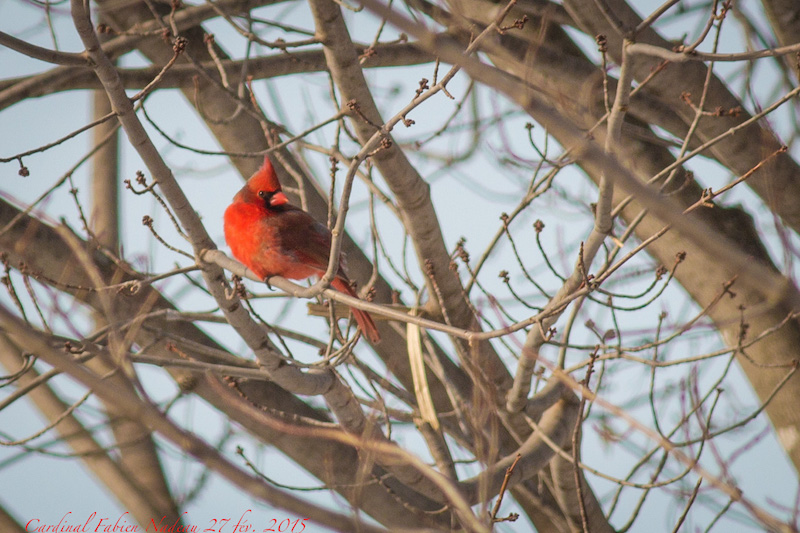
(279, 198)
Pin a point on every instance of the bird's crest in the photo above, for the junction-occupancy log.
(265, 179)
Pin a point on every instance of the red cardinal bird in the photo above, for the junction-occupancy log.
(274, 238)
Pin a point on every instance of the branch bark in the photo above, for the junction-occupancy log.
(40, 252)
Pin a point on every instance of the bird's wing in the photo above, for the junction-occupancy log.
(303, 238)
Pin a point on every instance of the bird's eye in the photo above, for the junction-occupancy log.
(262, 194)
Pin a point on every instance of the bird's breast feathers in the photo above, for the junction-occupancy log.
(267, 242)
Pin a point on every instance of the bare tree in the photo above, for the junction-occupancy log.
(558, 353)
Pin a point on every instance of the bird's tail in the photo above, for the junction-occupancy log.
(363, 319)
